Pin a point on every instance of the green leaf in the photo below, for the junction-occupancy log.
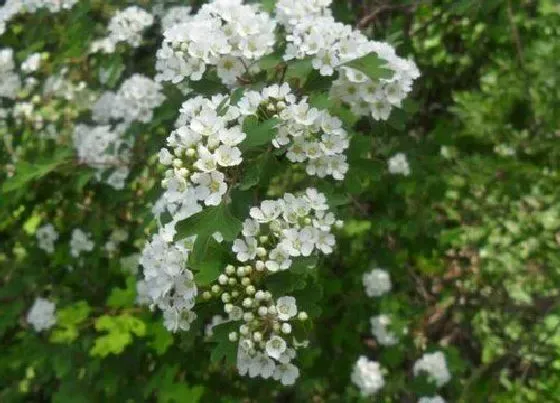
(161, 338)
(224, 348)
(258, 133)
(211, 219)
(208, 259)
(371, 65)
(67, 321)
(123, 297)
(119, 333)
(27, 172)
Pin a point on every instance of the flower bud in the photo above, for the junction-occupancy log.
(216, 289)
(190, 152)
(259, 265)
(230, 270)
(235, 294)
(248, 316)
(222, 279)
(286, 328)
(232, 336)
(250, 290)
(271, 310)
(257, 336)
(244, 329)
(232, 281)
(245, 281)
(177, 163)
(225, 297)
(261, 252)
(302, 316)
(228, 308)
(263, 311)
(247, 302)
(263, 238)
(241, 271)
(206, 295)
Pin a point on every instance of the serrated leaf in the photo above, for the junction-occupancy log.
(372, 66)
(211, 219)
(258, 133)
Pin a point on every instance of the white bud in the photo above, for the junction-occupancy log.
(223, 279)
(281, 105)
(244, 329)
(232, 281)
(245, 281)
(206, 295)
(286, 328)
(228, 308)
(257, 336)
(230, 270)
(225, 297)
(276, 327)
(339, 224)
(191, 152)
(259, 265)
(267, 295)
(261, 252)
(177, 163)
(247, 302)
(302, 316)
(235, 294)
(184, 172)
(270, 107)
(241, 271)
(216, 289)
(272, 310)
(177, 151)
(248, 316)
(232, 336)
(307, 220)
(263, 238)
(262, 310)
(260, 295)
(250, 290)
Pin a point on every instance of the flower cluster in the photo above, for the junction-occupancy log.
(11, 8)
(280, 230)
(41, 315)
(198, 152)
(80, 242)
(46, 236)
(32, 63)
(10, 82)
(332, 45)
(435, 366)
(310, 135)
(376, 283)
(398, 165)
(367, 376)
(380, 329)
(103, 148)
(125, 26)
(136, 99)
(277, 232)
(168, 284)
(224, 33)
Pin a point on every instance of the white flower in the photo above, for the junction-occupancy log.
(380, 329)
(275, 346)
(435, 366)
(286, 373)
(211, 187)
(268, 211)
(136, 99)
(279, 259)
(245, 249)
(32, 63)
(261, 365)
(41, 315)
(367, 376)
(229, 69)
(250, 228)
(286, 308)
(376, 283)
(80, 242)
(46, 236)
(435, 399)
(228, 156)
(398, 164)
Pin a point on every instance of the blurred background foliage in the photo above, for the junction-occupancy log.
(471, 238)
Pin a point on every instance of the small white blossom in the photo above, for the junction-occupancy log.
(367, 376)
(41, 315)
(46, 236)
(435, 366)
(398, 165)
(376, 282)
(80, 242)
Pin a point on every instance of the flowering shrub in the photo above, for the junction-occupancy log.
(196, 199)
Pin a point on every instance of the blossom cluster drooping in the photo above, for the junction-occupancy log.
(125, 26)
(80, 242)
(435, 366)
(309, 135)
(276, 232)
(224, 33)
(41, 315)
(377, 282)
(168, 283)
(290, 12)
(367, 376)
(46, 237)
(11, 8)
